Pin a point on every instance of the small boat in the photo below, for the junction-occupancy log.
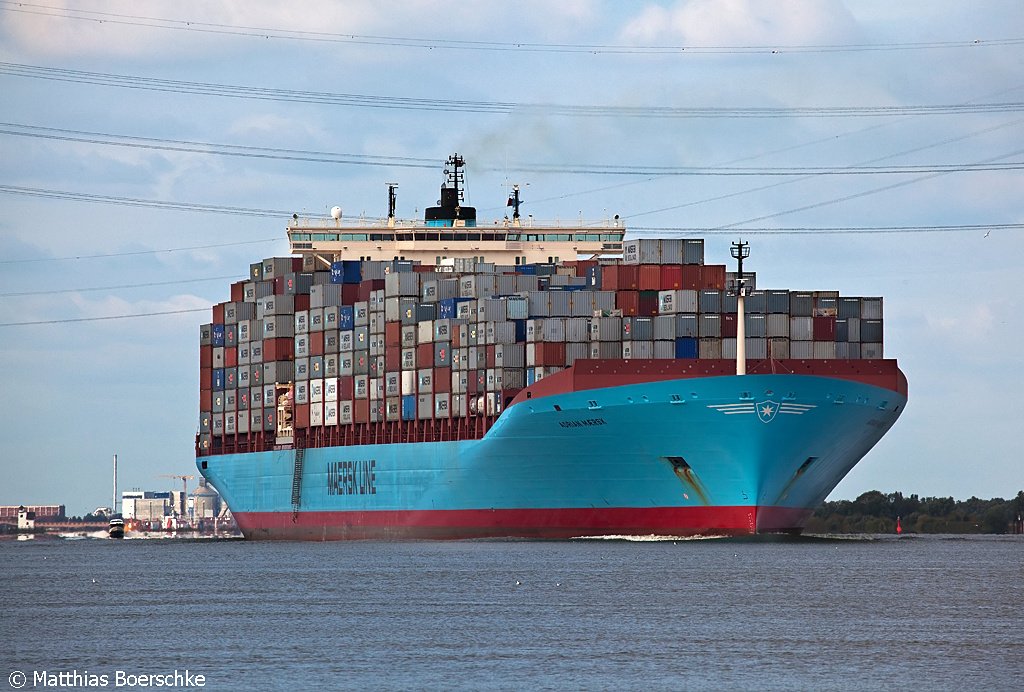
(116, 529)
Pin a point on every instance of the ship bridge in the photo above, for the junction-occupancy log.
(453, 231)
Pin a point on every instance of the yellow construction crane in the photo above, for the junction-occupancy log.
(184, 480)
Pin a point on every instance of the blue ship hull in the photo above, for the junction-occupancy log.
(704, 455)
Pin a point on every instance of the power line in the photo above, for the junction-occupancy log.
(138, 252)
(114, 288)
(496, 107)
(101, 138)
(467, 45)
(833, 230)
(179, 145)
(138, 202)
(101, 319)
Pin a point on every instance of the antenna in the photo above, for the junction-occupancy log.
(740, 251)
(113, 505)
(456, 176)
(391, 203)
(514, 202)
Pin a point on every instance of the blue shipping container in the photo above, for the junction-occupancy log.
(409, 407)
(346, 317)
(352, 271)
(686, 347)
(218, 379)
(520, 330)
(337, 272)
(449, 307)
(218, 335)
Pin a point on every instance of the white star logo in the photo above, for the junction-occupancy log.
(766, 411)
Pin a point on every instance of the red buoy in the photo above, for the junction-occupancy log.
(899, 529)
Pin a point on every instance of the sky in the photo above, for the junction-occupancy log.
(151, 151)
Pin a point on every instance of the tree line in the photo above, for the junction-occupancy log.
(877, 512)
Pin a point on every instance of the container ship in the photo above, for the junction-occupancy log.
(445, 379)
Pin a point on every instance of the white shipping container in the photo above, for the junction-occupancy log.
(577, 329)
(824, 350)
(330, 413)
(576, 351)
(871, 350)
(778, 348)
(801, 329)
(345, 412)
(346, 341)
(710, 347)
(302, 392)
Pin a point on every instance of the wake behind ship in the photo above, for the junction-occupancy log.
(444, 379)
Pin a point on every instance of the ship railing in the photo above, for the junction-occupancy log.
(390, 432)
(382, 225)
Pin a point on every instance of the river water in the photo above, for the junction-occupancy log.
(937, 612)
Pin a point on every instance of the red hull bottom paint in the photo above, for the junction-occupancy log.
(521, 523)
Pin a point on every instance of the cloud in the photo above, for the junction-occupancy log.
(741, 22)
(138, 28)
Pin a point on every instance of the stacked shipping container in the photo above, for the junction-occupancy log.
(298, 350)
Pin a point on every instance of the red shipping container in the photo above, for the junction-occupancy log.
(278, 285)
(610, 277)
(218, 313)
(301, 302)
(629, 276)
(671, 277)
(301, 416)
(647, 303)
(231, 357)
(491, 360)
(425, 356)
(205, 400)
(583, 266)
(349, 294)
(442, 381)
(393, 334)
(316, 343)
(393, 357)
(713, 276)
(824, 328)
(205, 378)
(691, 277)
(238, 291)
(649, 277)
(368, 286)
(360, 409)
(281, 348)
(549, 354)
(346, 385)
(206, 356)
(728, 325)
(628, 302)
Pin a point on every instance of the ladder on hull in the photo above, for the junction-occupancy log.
(299, 457)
